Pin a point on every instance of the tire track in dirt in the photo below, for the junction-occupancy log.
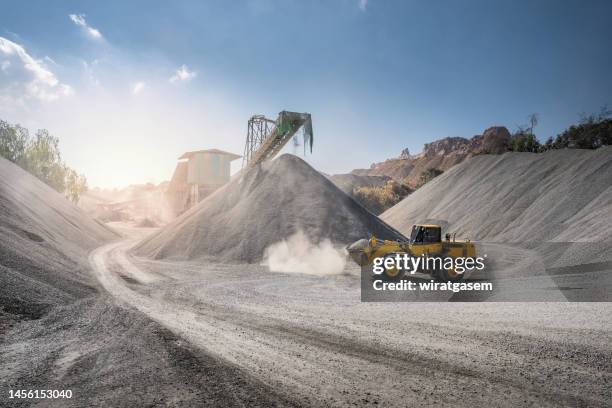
(332, 367)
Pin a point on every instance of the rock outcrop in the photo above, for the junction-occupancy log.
(441, 155)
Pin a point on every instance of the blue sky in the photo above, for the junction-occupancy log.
(129, 86)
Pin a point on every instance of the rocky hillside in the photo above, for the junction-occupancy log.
(439, 155)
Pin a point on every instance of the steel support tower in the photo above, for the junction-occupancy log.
(266, 137)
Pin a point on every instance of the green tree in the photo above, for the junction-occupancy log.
(548, 145)
(43, 159)
(13, 142)
(592, 131)
(525, 142)
(76, 185)
(524, 139)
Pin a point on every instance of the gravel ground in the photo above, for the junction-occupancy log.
(311, 338)
(112, 356)
(120, 330)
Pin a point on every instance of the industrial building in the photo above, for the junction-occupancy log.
(197, 175)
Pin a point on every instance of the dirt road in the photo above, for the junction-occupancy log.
(311, 338)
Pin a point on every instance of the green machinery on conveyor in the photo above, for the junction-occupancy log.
(266, 137)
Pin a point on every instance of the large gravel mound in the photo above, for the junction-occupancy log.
(44, 244)
(558, 196)
(262, 207)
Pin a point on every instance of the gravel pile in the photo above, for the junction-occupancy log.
(44, 245)
(562, 196)
(147, 223)
(264, 206)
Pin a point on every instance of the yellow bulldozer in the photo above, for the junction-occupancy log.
(425, 241)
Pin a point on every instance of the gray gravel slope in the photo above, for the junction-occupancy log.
(44, 244)
(269, 203)
(559, 202)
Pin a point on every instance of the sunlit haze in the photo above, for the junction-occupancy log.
(128, 88)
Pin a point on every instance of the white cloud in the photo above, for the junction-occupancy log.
(137, 87)
(79, 19)
(49, 59)
(183, 74)
(28, 77)
(363, 4)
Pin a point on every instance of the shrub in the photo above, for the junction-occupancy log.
(428, 175)
(525, 142)
(379, 199)
(589, 134)
(592, 132)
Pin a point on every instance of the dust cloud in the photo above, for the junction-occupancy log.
(298, 254)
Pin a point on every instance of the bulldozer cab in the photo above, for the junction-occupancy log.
(426, 234)
(426, 239)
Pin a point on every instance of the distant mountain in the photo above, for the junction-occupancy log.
(439, 155)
